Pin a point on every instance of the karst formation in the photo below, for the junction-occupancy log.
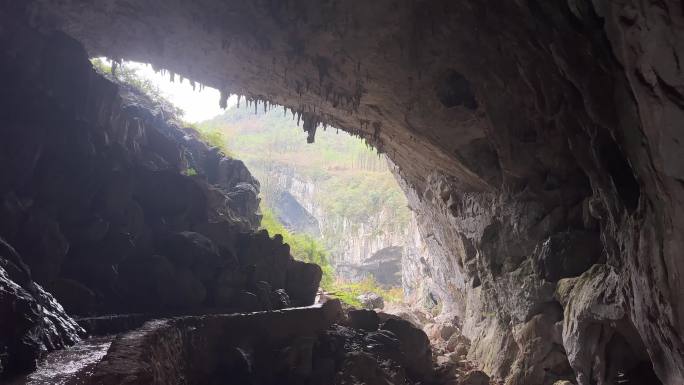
(540, 145)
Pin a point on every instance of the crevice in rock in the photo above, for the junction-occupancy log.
(621, 174)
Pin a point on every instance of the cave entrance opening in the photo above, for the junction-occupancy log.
(334, 200)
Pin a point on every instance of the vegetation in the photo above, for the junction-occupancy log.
(348, 292)
(305, 248)
(351, 178)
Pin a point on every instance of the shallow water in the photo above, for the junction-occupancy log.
(71, 366)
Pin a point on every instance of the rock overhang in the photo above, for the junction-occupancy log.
(509, 123)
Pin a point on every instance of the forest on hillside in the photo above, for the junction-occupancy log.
(352, 184)
(353, 180)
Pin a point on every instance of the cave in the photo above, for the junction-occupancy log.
(539, 145)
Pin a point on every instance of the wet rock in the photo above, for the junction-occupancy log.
(33, 322)
(371, 301)
(280, 299)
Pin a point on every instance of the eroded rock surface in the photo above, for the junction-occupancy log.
(100, 211)
(511, 124)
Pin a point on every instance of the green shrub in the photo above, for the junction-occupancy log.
(349, 291)
(306, 248)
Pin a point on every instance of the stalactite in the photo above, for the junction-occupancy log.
(223, 101)
(238, 100)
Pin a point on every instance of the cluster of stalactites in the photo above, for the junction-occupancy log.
(172, 77)
(306, 116)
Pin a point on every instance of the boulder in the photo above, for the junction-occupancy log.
(446, 331)
(458, 344)
(415, 345)
(232, 172)
(302, 283)
(271, 261)
(371, 301)
(364, 319)
(243, 199)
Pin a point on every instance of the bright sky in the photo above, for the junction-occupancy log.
(198, 105)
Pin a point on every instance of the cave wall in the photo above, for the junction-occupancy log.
(534, 140)
(99, 216)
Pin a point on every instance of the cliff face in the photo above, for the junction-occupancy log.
(538, 142)
(356, 246)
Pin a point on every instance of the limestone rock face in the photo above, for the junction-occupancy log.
(357, 249)
(102, 213)
(511, 124)
(33, 322)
